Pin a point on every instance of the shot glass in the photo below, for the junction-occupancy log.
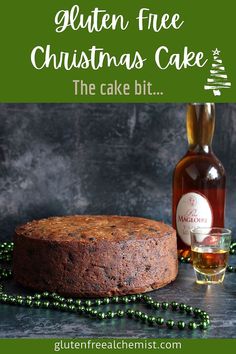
(210, 253)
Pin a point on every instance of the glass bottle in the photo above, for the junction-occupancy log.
(198, 179)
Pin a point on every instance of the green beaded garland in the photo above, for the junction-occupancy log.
(86, 307)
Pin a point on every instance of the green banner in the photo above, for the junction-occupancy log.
(119, 345)
(117, 51)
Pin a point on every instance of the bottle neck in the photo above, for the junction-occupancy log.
(200, 127)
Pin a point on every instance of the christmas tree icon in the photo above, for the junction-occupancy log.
(218, 78)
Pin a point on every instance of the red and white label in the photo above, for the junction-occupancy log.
(193, 211)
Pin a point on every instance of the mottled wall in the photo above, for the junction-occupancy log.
(98, 158)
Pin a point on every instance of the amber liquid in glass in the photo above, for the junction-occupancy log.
(200, 177)
(209, 261)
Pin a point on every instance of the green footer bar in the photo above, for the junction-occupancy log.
(119, 345)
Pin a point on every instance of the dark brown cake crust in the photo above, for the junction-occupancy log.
(92, 256)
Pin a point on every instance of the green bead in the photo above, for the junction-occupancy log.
(53, 295)
(81, 309)
(20, 302)
(203, 314)
(98, 302)
(101, 315)
(29, 298)
(88, 310)
(151, 320)
(63, 307)
(144, 317)
(12, 300)
(156, 305)
(37, 303)
(230, 269)
(94, 313)
(192, 325)
(160, 321)
(170, 324)
(189, 309)
(57, 298)
(78, 302)
(106, 300)
(182, 307)
(182, 259)
(165, 305)
(69, 301)
(197, 311)
(133, 298)
(110, 314)
(72, 308)
(174, 305)
(139, 296)
(88, 303)
(115, 299)
(147, 298)
(55, 305)
(4, 299)
(203, 325)
(130, 313)
(125, 300)
(137, 314)
(45, 304)
(28, 302)
(181, 324)
(150, 302)
(37, 296)
(45, 294)
(120, 313)
(188, 259)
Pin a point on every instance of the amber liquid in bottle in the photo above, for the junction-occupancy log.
(198, 179)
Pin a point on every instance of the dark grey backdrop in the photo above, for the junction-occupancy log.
(60, 159)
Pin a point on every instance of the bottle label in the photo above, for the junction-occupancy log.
(193, 211)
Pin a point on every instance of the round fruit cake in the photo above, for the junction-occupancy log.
(95, 256)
